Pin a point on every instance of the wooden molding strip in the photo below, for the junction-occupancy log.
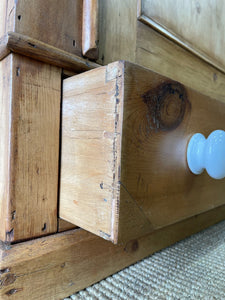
(90, 29)
(4, 50)
(61, 264)
(18, 43)
(172, 36)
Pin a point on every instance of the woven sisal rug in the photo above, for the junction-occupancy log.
(191, 269)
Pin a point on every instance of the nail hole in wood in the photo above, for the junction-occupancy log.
(17, 71)
(32, 45)
(10, 235)
(74, 43)
(44, 227)
(13, 291)
(3, 271)
(19, 17)
(13, 215)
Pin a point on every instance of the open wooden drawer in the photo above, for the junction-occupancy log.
(125, 131)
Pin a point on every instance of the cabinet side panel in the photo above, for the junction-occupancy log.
(36, 93)
(5, 103)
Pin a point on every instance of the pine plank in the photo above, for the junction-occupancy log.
(57, 266)
(160, 116)
(7, 16)
(5, 100)
(54, 22)
(117, 30)
(30, 123)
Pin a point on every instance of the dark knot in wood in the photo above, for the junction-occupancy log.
(166, 105)
(132, 246)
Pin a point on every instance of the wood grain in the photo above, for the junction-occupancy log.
(122, 36)
(59, 265)
(54, 22)
(90, 157)
(155, 120)
(4, 50)
(195, 25)
(2, 17)
(7, 16)
(117, 30)
(32, 109)
(161, 55)
(5, 99)
(43, 52)
(90, 29)
(160, 116)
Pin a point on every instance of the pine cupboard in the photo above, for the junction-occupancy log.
(96, 99)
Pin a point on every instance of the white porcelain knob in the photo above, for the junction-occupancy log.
(207, 154)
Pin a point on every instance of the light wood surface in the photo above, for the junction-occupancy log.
(2, 17)
(117, 30)
(5, 104)
(122, 36)
(32, 108)
(57, 266)
(161, 55)
(54, 22)
(90, 29)
(196, 25)
(7, 16)
(91, 147)
(160, 116)
(155, 118)
(43, 52)
(4, 51)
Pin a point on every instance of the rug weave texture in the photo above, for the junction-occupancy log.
(191, 269)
